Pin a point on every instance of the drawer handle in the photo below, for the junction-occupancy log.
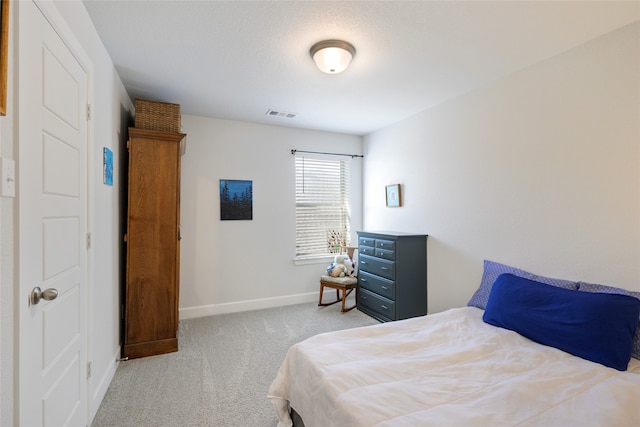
(384, 287)
(384, 306)
(363, 262)
(381, 245)
(363, 280)
(381, 253)
(384, 268)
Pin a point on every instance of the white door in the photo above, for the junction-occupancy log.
(52, 185)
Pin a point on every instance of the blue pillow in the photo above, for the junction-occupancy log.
(593, 326)
(494, 269)
(590, 287)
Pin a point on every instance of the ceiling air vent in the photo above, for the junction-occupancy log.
(275, 113)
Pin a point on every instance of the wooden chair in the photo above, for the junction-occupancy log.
(346, 285)
(341, 284)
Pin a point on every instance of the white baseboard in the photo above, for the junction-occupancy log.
(102, 385)
(256, 304)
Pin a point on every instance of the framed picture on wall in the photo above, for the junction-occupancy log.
(393, 196)
(4, 54)
(107, 166)
(236, 199)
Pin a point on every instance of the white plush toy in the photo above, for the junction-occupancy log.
(341, 266)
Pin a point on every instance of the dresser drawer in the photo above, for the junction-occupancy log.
(385, 253)
(369, 300)
(385, 244)
(367, 241)
(379, 285)
(378, 266)
(366, 250)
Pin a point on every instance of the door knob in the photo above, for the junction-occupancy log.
(48, 294)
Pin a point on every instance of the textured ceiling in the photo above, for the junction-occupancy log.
(237, 59)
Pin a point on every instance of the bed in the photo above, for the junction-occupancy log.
(458, 368)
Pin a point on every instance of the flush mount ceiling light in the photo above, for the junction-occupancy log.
(332, 56)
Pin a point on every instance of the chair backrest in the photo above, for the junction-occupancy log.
(350, 251)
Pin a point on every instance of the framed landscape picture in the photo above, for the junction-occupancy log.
(236, 199)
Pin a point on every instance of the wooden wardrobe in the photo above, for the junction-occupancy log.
(153, 243)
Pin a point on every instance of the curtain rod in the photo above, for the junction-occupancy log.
(294, 151)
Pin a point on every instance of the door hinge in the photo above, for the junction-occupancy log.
(88, 370)
(88, 240)
(88, 111)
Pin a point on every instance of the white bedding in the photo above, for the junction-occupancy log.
(448, 369)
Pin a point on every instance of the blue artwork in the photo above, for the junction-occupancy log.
(236, 199)
(107, 166)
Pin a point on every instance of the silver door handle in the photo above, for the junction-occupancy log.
(48, 294)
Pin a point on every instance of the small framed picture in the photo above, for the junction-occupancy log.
(393, 196)
(107, 166)
(4, 49)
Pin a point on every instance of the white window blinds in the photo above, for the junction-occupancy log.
(323, 214)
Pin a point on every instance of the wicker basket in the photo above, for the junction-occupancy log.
(156, 115)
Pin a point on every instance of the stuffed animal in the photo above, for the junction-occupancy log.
(340, 267)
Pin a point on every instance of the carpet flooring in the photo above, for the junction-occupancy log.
(222, 371)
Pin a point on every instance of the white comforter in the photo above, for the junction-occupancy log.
(448, 369)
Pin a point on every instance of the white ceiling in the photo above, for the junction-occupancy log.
(237, 59)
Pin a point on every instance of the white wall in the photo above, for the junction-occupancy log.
(540, 170)
(240, 265)
(111, 108)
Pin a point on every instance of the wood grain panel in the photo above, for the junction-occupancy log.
(151, 317)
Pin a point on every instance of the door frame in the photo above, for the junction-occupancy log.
(60, 26)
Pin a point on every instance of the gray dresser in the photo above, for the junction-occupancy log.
(392, 276)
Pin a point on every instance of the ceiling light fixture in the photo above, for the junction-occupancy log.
(332, 56)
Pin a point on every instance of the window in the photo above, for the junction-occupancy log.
(323, 215)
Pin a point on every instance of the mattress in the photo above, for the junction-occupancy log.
(452, 369)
